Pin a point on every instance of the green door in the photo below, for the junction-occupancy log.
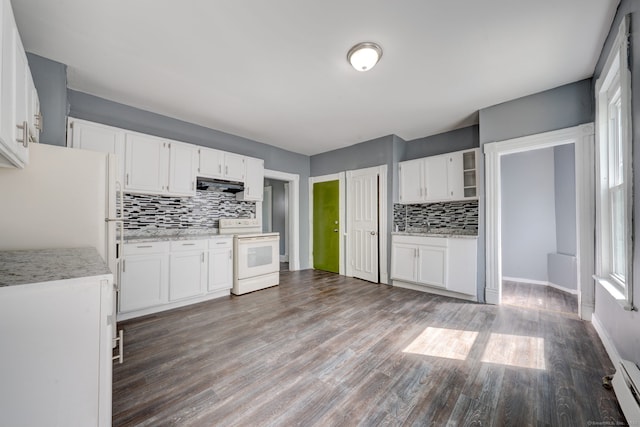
(326, 238)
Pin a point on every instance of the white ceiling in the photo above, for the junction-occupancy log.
(276, 71)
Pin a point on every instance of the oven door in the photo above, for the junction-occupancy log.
(256, 256)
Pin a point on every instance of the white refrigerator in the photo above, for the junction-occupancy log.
(63, 198)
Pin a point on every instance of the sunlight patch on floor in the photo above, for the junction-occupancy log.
(439, 342)
(515, 350)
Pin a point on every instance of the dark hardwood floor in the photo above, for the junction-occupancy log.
(325, 350)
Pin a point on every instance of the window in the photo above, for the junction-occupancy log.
(614, 204)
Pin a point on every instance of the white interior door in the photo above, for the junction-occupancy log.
(363, 216)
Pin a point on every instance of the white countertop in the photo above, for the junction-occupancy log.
(47, 265)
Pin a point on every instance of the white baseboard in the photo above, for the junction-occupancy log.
(606, 341)
(541, 283)
(284, 258)
(431, 290)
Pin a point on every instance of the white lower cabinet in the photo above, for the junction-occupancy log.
(445, 264)
(220, 264)
(159, 276)
(145, 276)
(187, 269)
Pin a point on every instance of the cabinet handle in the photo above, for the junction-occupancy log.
(188, 244)
(193, 185)
(203, 257)
(25, 134)
(144, 246)
(219, 168)
(127, 179)
(230, 254)
(226, 170)
(123, 265)
(38, 118)
(221, 243)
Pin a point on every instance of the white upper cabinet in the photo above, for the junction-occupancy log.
(183, 160)
(95, 137)
(146, 164)
(254, 180)
(159, 166)
(411, 181)
(210, 163)
(234, 167)
(437, 178)
(20, 119)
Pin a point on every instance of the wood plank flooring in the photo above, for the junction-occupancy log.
(325, 350)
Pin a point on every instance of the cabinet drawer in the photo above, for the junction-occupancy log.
(224, 242)
(145, 248)
(188, 245)
(422, 240)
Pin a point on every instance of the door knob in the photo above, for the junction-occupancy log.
(335, 230)
(373, 233)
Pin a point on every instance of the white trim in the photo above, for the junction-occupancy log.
(606, 341)
(294, 214)
(616, 65)
(540, 283)
(430, 290)
(582, 138)
(383, 202)
(267, 195)
(340, 177)
(284, 258)
(286, 219)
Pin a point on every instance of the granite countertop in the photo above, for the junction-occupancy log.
(439, 232)
(47, 265)
(161, 235)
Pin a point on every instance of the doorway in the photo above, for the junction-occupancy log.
(326, 215)
(326, 237)
(290, 241)
(275, 215)
(582, 138)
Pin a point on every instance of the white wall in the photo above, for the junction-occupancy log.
(528, 214)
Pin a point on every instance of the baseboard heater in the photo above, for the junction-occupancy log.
(626, 384)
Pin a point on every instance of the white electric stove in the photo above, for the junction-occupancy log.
(256, 255)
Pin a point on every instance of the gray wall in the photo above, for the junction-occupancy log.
(623, 326)
(528, 214)
(456, 140)
(565, 198)
(278, 210)
(558, 108)
(554, 109)
(50, 78)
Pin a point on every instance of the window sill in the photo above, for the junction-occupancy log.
(614, 292)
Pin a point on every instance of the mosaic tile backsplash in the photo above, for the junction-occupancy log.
(459, 215)
(145, 211)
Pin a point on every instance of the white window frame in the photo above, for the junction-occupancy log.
(614, 85)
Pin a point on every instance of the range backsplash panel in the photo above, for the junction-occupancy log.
(204, 210)
(458, 215)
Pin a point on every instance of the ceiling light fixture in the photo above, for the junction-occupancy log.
(364, 56)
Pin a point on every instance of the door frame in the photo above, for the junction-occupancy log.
(582, 137)
(340, 177)
(268, 195)
(293, 214)
(383, 232)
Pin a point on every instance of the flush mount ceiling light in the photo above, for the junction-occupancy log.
(364, 56)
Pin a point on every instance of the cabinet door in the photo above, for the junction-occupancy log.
(95, 137)
(182, 169)
(234, 167)
(187, 274)
(432, 265)
(456, 176)
(220, 269)
(143, 282)
(403, 262)
(254, 180)
(437, 178)
(463, 266)
(210, 163)
(411, 182)
(146, 164)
